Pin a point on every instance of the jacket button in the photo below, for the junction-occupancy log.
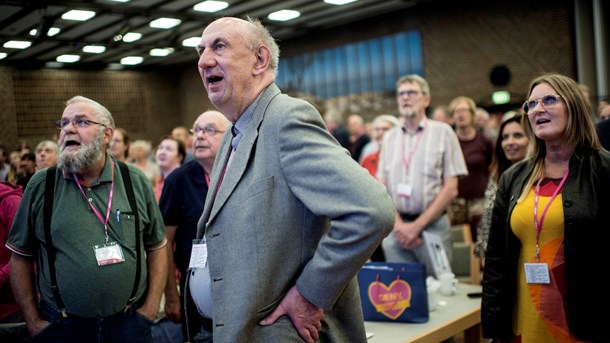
(568, 203)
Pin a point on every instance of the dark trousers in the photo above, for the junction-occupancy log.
(205, 333)
(127, 326)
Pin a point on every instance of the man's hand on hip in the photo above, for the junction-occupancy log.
(306, 317)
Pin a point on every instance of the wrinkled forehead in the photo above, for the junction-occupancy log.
(227, 29)
(79, 109)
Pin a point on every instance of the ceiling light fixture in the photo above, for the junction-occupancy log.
(191, 42)
(210, 6)
(131, 60)
(131, 37)
(17, 44)
(338, 2)
(52, 31)
(284, 15)
(165, 23)
(3, 55)
(161, 52)
(94, 49)
(67, 58)
(78, 15)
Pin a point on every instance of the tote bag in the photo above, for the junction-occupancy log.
(394, 292)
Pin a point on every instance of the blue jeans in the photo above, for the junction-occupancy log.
(121, 327)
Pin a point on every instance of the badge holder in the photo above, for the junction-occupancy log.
(108, 253)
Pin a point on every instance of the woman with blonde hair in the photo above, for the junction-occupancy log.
(549, 230)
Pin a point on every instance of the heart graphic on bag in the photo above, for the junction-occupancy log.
(391, 301)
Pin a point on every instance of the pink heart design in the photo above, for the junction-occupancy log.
(390, 301)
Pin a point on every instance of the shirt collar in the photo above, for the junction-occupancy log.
(245, 118)
(420, 126)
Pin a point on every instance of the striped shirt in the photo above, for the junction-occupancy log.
(421, 160)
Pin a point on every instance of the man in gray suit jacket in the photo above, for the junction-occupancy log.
(290, 217)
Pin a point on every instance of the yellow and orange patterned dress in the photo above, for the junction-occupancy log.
(540, 312)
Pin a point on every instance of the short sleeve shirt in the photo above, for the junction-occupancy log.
(181, 204)
(87, 289)
(422, 159)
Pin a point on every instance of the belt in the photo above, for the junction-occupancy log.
(408, 216)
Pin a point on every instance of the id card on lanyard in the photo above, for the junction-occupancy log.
(109, 252)
(405, 189)
(537, 272)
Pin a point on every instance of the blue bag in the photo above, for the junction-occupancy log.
(394, 292)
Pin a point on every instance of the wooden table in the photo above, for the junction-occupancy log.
(455, 314)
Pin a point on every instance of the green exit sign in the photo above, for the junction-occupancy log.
(500, 97)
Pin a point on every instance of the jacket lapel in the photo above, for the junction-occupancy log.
(235, 171)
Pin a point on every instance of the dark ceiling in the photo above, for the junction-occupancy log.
(19, 17)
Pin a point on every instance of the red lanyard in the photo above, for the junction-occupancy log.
(90, 202)
(408, 159)
(538, 222)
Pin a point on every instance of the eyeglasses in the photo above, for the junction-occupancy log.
(409, 93)
(79, 123)
(547, 101)
(210, 131)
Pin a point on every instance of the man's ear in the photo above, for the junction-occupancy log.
(108, 133)
(263, 59)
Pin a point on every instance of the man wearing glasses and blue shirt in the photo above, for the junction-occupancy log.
(93, 228)
(181, 204)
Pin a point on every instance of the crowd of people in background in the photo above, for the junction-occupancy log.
(448, 165)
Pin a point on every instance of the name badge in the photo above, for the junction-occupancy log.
(199, 256)
(537, 273)
(404, 189)
(109, 253)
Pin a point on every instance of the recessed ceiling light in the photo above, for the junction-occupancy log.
(131, 60)
(284, 15)
(51, 32)
(119, 0)
(338, 2)
(165, 23)
(3, 55)
(210, 6)
(94, 49)
(191, 42)
(78, 15)
(67, 58)
(161, 52)
(17, 44)
(131, 37)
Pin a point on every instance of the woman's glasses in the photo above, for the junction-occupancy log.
(547, 101)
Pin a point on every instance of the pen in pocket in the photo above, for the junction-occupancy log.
(118, 215)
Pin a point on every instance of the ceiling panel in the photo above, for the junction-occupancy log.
(18, 17)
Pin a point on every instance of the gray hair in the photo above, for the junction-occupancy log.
(101, 113)
(388, 118)
(48, 143)
(262, 36)
(414, 78)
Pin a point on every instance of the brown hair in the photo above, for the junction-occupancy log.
(580, 131)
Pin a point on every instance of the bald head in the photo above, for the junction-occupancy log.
(208, 129)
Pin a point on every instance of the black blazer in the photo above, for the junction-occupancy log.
(586, 205)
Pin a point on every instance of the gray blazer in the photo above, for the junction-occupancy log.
(293, 208)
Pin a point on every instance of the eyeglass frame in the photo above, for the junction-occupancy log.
(409, 93)
(78, 122)
(539, 100)
(209, 131)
